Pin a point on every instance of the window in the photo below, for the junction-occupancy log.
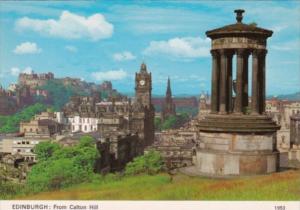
(85, 128)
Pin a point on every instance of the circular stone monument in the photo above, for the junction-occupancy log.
(237, 138)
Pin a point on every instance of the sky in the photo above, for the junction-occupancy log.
(108, 40)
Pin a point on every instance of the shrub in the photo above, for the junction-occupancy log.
(150, 163)
(9, 189)
(59, 167)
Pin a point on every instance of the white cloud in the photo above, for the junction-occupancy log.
(109, 75)
(27, 48)
(69, 26)
(124, 56)
(186, 47)
(15, 71)
(71, 48)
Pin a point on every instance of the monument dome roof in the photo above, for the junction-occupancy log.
(239, 29)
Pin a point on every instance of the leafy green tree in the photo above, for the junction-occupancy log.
(150, 163)
(63, 166)
(170, 122)
(175, 121)
(45, 150)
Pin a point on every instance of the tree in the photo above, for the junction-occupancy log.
(45, 150)
(150, 163)
(62, 166)
(175, 121)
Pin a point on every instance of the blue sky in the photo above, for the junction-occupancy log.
(99, 40)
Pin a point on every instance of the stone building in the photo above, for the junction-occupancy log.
(281, 112)
(204, 106)
(177, 146)
(41, 126)
(168, 108)
(290, 108)
(83, 124)
(21, 146)
(232, 141)
(295, 129)
(34, 80)
(294, 152)
(116, 113)
(8, 103)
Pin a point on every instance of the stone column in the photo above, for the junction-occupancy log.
(238, 107)
(225, 89)
(229, 80)
(245, 97)
(262, 79)
(222, 88)
(215, 81)
(255, 83)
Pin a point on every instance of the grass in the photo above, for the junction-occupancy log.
(277, 186)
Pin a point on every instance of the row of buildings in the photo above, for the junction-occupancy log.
(122, 127)
(30, 89)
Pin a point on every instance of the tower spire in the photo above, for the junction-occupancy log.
(169, 87)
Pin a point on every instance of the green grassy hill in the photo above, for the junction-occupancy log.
(277, 186)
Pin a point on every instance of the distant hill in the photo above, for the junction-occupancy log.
(291, 97)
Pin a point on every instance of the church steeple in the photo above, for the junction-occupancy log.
(169, 92)
(168, 108)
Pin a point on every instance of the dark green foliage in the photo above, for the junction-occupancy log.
(45, 150)
(171, 121)
(9, 189)
(59, 93)
(150, 163)
(157, 123)
(62, 166)
(10, 124)
(188, 110)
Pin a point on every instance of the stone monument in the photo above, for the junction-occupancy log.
(235, 138)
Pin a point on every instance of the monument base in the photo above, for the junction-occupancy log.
(227, 154)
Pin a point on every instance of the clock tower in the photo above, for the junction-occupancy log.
(143, 110)
(143, 86)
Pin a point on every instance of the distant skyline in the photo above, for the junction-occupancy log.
(108, 40)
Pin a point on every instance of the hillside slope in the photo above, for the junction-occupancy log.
(277, 186)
